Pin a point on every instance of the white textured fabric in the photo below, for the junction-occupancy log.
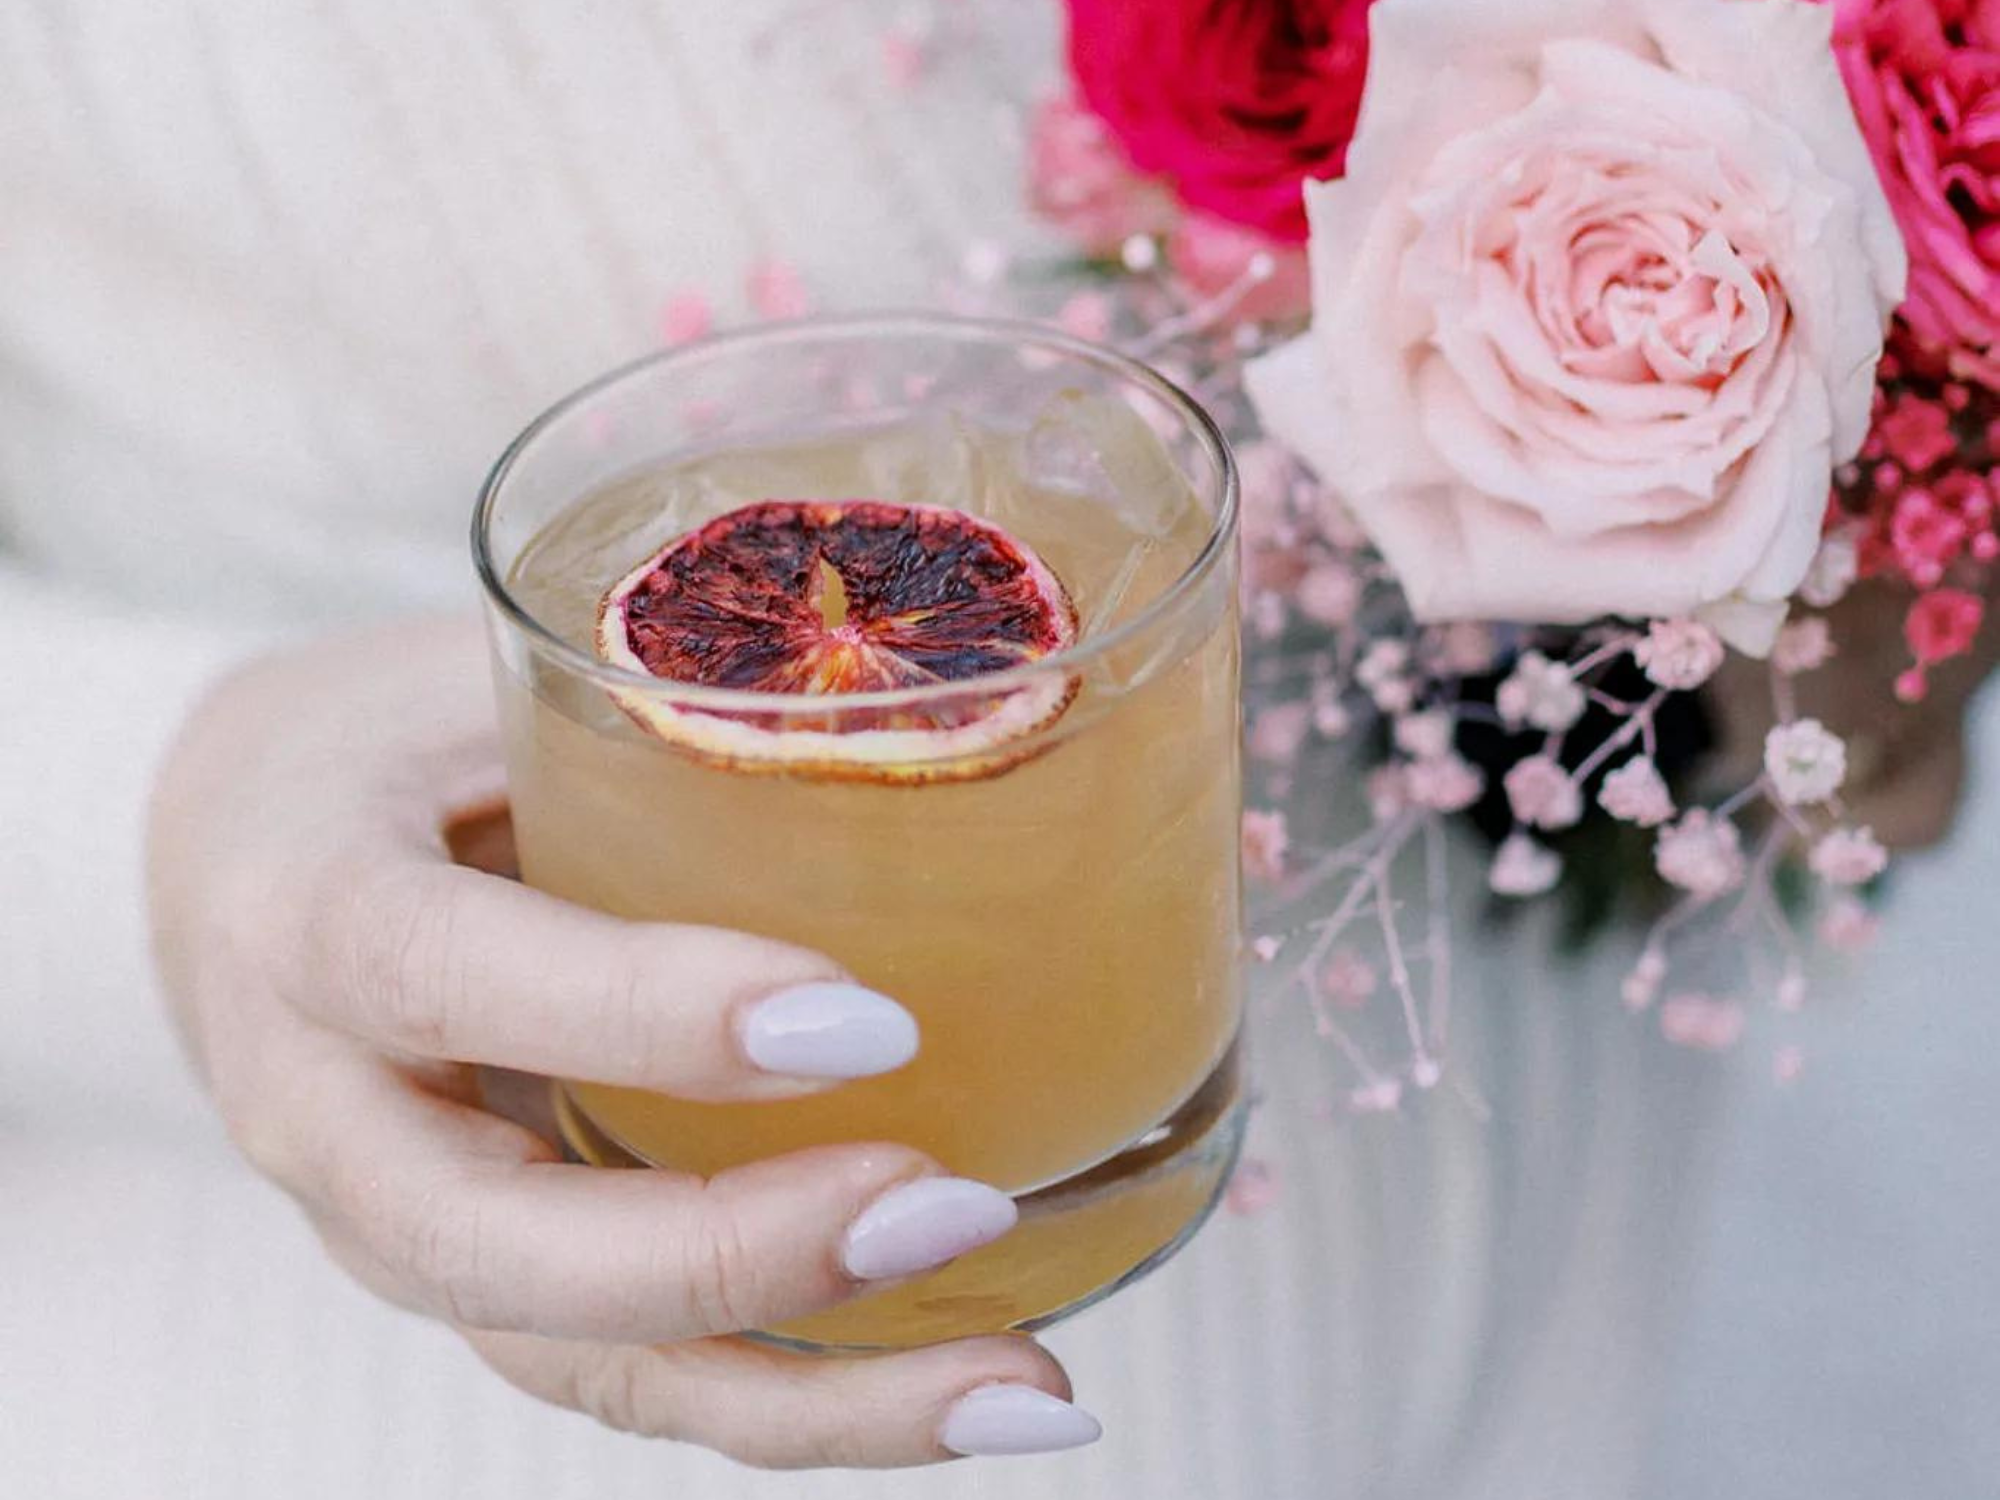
(276, 282)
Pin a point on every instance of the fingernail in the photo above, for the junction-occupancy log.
(923, 1224)
(829, 1031)
(997, 1420)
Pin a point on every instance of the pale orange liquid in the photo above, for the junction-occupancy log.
(1065, 931)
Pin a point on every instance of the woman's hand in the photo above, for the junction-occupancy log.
(337, 976)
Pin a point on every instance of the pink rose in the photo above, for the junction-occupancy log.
(1597, 308)
(1233, 104)
(1925, 78)
(1080, 181)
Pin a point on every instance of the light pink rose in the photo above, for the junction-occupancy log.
(1597, 307)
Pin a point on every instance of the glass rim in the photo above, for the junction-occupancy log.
(1070, 661)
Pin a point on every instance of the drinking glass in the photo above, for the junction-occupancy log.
(1059, 911)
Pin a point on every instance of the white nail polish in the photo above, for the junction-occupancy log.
(923, 1224)
(828, 1031)
(1000, 1420)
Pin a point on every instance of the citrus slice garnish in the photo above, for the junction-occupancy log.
(818, 598)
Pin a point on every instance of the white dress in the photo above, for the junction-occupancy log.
(276, 283)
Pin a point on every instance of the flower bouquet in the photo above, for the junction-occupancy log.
(1617, 389)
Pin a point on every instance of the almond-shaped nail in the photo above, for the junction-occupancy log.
(1001, 1420)
(828, 1031)
(921, 1225)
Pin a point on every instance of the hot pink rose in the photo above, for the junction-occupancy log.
(1234, 104)
(1597, 308)
(1925, 78)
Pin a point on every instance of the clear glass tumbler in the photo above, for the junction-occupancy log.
(1053, 892)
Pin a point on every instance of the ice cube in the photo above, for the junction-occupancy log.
(937, 458)
(1100, 448)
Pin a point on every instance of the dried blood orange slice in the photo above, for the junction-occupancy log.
(817, 597)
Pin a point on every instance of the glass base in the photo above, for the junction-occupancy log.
(1079, 1240)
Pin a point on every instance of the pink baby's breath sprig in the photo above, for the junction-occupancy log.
(1637, 793)
(1266, 841)
(1680, 655)
(1541, 694)
(1922, 508)
(1701, 854)
(1523, 868)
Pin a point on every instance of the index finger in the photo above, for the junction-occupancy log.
(438, 961)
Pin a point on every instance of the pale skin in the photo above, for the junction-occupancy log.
(338, 977)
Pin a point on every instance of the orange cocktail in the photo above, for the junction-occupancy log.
(1011, 802)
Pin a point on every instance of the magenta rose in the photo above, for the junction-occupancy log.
(1925, 79)
(1236, 104)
